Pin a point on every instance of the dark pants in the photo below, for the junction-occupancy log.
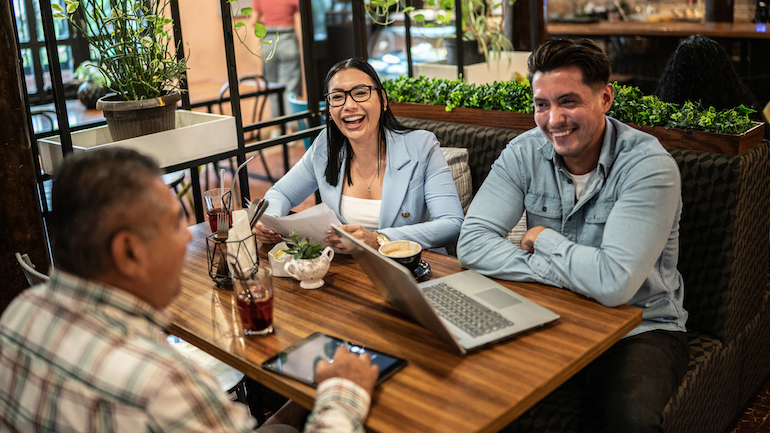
(624, 390)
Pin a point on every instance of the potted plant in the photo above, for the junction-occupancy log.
(482, 30)
(509, 105)
(136, 56)
(92, 84)
(309, 261)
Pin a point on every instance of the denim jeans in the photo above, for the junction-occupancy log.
(623, 390)
(285, 67)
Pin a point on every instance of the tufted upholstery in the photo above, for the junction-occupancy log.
(484, 144)
(723, 210)
(724, 261)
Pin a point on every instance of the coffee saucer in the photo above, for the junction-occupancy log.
(422, 270)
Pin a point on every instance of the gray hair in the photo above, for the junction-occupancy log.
(95, 195)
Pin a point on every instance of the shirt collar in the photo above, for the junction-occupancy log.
(92, 294)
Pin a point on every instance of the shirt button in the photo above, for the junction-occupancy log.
(545, 208)
(569, 181)
(405, 214)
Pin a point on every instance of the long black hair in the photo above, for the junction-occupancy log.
(337, 142)
(701, 70)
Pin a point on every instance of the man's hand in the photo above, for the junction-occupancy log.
(346, 365)
(529, 238)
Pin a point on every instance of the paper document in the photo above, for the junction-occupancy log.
(310, 223)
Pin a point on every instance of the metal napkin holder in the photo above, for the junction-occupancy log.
(217, 252)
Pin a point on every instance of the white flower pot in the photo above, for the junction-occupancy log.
(310, 272)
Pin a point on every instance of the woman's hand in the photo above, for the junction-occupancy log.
(358, 232)
(265, 235)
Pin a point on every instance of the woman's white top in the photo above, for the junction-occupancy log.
(361, 211)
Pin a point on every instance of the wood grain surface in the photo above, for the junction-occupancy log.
(740, 30)
(438, 391)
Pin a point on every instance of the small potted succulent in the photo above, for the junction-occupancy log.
(309, 261)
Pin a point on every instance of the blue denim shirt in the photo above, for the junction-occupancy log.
(617, 244)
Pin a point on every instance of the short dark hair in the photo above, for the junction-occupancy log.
(701, 70)
(336, 140)
(583, 53)
(95, 195)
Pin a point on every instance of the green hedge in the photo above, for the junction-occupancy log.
(630, 105)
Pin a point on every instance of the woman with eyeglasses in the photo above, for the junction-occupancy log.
(384, 181)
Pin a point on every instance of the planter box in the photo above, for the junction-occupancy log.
(707, 141)
(197, 135)
(468, 116)
(670, 138)
(503, 69)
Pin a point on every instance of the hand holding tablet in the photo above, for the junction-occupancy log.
(300, 360)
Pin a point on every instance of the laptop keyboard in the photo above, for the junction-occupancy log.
(463, 311)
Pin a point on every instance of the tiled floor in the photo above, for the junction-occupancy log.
(756, 418)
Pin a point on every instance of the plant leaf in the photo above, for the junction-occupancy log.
(259, 30)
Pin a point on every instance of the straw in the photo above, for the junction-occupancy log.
(222, 188)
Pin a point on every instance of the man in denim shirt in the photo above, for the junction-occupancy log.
(603, 203)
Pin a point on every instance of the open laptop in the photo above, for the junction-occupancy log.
(467, 310)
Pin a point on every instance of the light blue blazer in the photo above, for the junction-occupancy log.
(419, 197)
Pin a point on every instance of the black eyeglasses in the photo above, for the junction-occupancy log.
(361, 93)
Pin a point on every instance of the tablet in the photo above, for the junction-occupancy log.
(299, 360)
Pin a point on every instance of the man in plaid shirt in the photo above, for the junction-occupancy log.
(86, 351)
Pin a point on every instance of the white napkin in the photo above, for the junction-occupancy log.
(247, 253)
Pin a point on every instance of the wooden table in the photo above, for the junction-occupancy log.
(672, 29)
(438, 391)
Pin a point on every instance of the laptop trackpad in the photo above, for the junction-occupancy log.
(498, 297)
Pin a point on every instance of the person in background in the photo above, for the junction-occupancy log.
(603, 203)
(701, 70)
(281, 19)
(87, 352)
(382, 180)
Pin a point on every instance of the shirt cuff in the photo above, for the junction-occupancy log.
(545, 245)
(339, 401)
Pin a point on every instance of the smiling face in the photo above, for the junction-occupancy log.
(358, 121)
(571, 115)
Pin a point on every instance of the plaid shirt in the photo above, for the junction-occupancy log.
(78, 356)
(340, 406)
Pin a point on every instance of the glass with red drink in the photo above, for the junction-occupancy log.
(213, 200)
(254, 297)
